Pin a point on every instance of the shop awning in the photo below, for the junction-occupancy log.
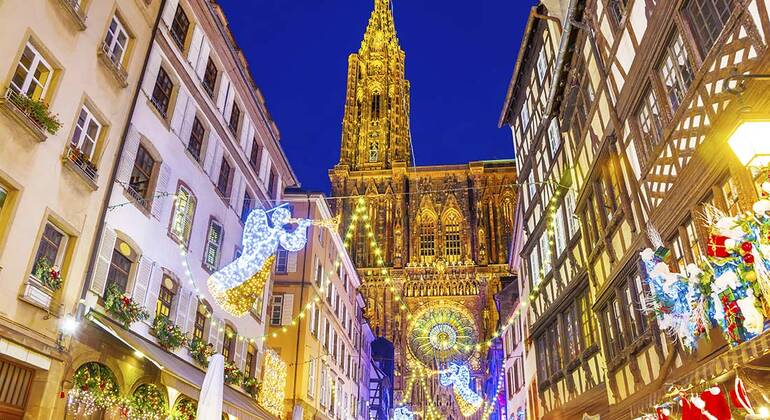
(181, 375)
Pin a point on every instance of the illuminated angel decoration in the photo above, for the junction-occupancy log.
(459, 378)
(238, 285)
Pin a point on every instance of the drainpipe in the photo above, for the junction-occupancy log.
(563, 48)
(111, 183)
(301, 305)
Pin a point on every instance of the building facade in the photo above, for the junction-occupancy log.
(200, 153)
(430, 242)
(70, 71)
(325, 348)
(620, 114)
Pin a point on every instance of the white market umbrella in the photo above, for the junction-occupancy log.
(212, 389)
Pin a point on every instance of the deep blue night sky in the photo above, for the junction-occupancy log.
(459, 60)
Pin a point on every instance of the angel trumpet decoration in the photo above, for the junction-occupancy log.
(238, 285)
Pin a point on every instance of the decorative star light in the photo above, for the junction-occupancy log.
(238, 285)
(459, 378)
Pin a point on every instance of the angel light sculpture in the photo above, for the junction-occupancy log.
(459, 378)
(238, 285)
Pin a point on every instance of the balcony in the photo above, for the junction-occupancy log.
(31, 114)
(113, 64)
(81, 164)
(75, 12)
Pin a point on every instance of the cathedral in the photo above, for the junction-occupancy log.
(431, 245)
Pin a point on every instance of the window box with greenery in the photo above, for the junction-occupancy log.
(233, 375)
(251, 386)
(200, 351)
(121, 307)
(82, 165)
(169, 336)
(32, 113)
(43, 283)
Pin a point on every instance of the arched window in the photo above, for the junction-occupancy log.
(166, 294)
(452, 241)
(427, 239)
(148, 401)
(228, 343)
(185, 408)
(119, 275)
(89, 380)
(201, 315)
(374, 151)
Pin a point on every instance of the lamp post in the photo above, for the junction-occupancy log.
(751, 143)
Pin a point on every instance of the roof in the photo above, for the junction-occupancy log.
(525, 40)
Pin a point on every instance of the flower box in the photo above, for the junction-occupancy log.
(122, 308)
(32, 114)
(81, 164)
(233, 375)
(36, 293)
(200, 351)
(113, 65)
(169, 336)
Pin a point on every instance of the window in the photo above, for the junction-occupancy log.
(610, 188)
(179, 27)
(586, 321)
(201, 314)
(427, 239)
(141, 176)
(50, 249)
(542, 65)
(693, 241)
(251, 361)
(182, 218)
(210, 77)
(195, 145)
(235, 119)
(165, 297)
(650, 122)
(316, 319)
(676, 71)
(545, 247)
(256, 154)
(120, 269)
(532, 184)
(636, 320)
(376, 102)
(452, 242)
(534, 265)
(86, 133)
(33, 74)
(571, 331)
(271, 185)
(731, 196)
(613, 327)
(311, 378)
(524, 116)
(246, 208)
(223, 182)
(228, 343)
(374, 151)
(706, 19)
(116, 41)
(281, 261)
(276, 310)
(569, 205)
(213, 246)
(161, 93)
(554, 136)
(616, 10)
(558, 230)
(3, 197)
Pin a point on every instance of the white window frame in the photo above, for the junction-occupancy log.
(311, 378)
(545, 246)
(524, 116)
(558, 231)
(80, 135)
(111, 42)
(554, 135)
(277, 302)
(37, 60)
(572, 221)
(542, 65)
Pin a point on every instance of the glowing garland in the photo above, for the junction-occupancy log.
(239, 284)
(271, 392)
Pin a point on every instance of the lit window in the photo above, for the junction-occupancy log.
(165, 298)
(452, 242)
(427, 240)
(228, 343)
(184, 211)
(201, 314)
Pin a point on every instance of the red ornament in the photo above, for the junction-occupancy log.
(746, 247)
(716, 246)
(748, 258)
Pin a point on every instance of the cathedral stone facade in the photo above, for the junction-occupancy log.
(442, 232)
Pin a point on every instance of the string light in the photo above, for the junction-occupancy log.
(272, 390)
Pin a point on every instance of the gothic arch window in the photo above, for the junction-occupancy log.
(452, 237)
(427, 238)
(374, 151)
(376, 106)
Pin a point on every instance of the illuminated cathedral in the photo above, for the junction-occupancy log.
(431, 242)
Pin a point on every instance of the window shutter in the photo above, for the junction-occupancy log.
(126, 165)
(99, 278)
(220, 336)
(182, 308)
(288, 309)
(224, 86)
(192, 312)
(187, 123)
(239, 343)
(235, 192)
(291, 264)
(170, 11)
(264, 167)
(180, 105)
(195, 46)
(158, 203)
(211, 151)
(143, 274)
(203, 59)
(213, 331)
(152, 293)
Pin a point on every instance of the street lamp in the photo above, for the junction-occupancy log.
(751, 143)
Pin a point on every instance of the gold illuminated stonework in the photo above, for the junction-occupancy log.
(441, 232)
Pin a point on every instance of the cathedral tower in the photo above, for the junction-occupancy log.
(376, 123)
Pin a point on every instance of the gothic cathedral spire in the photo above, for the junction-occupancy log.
(375, 128)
